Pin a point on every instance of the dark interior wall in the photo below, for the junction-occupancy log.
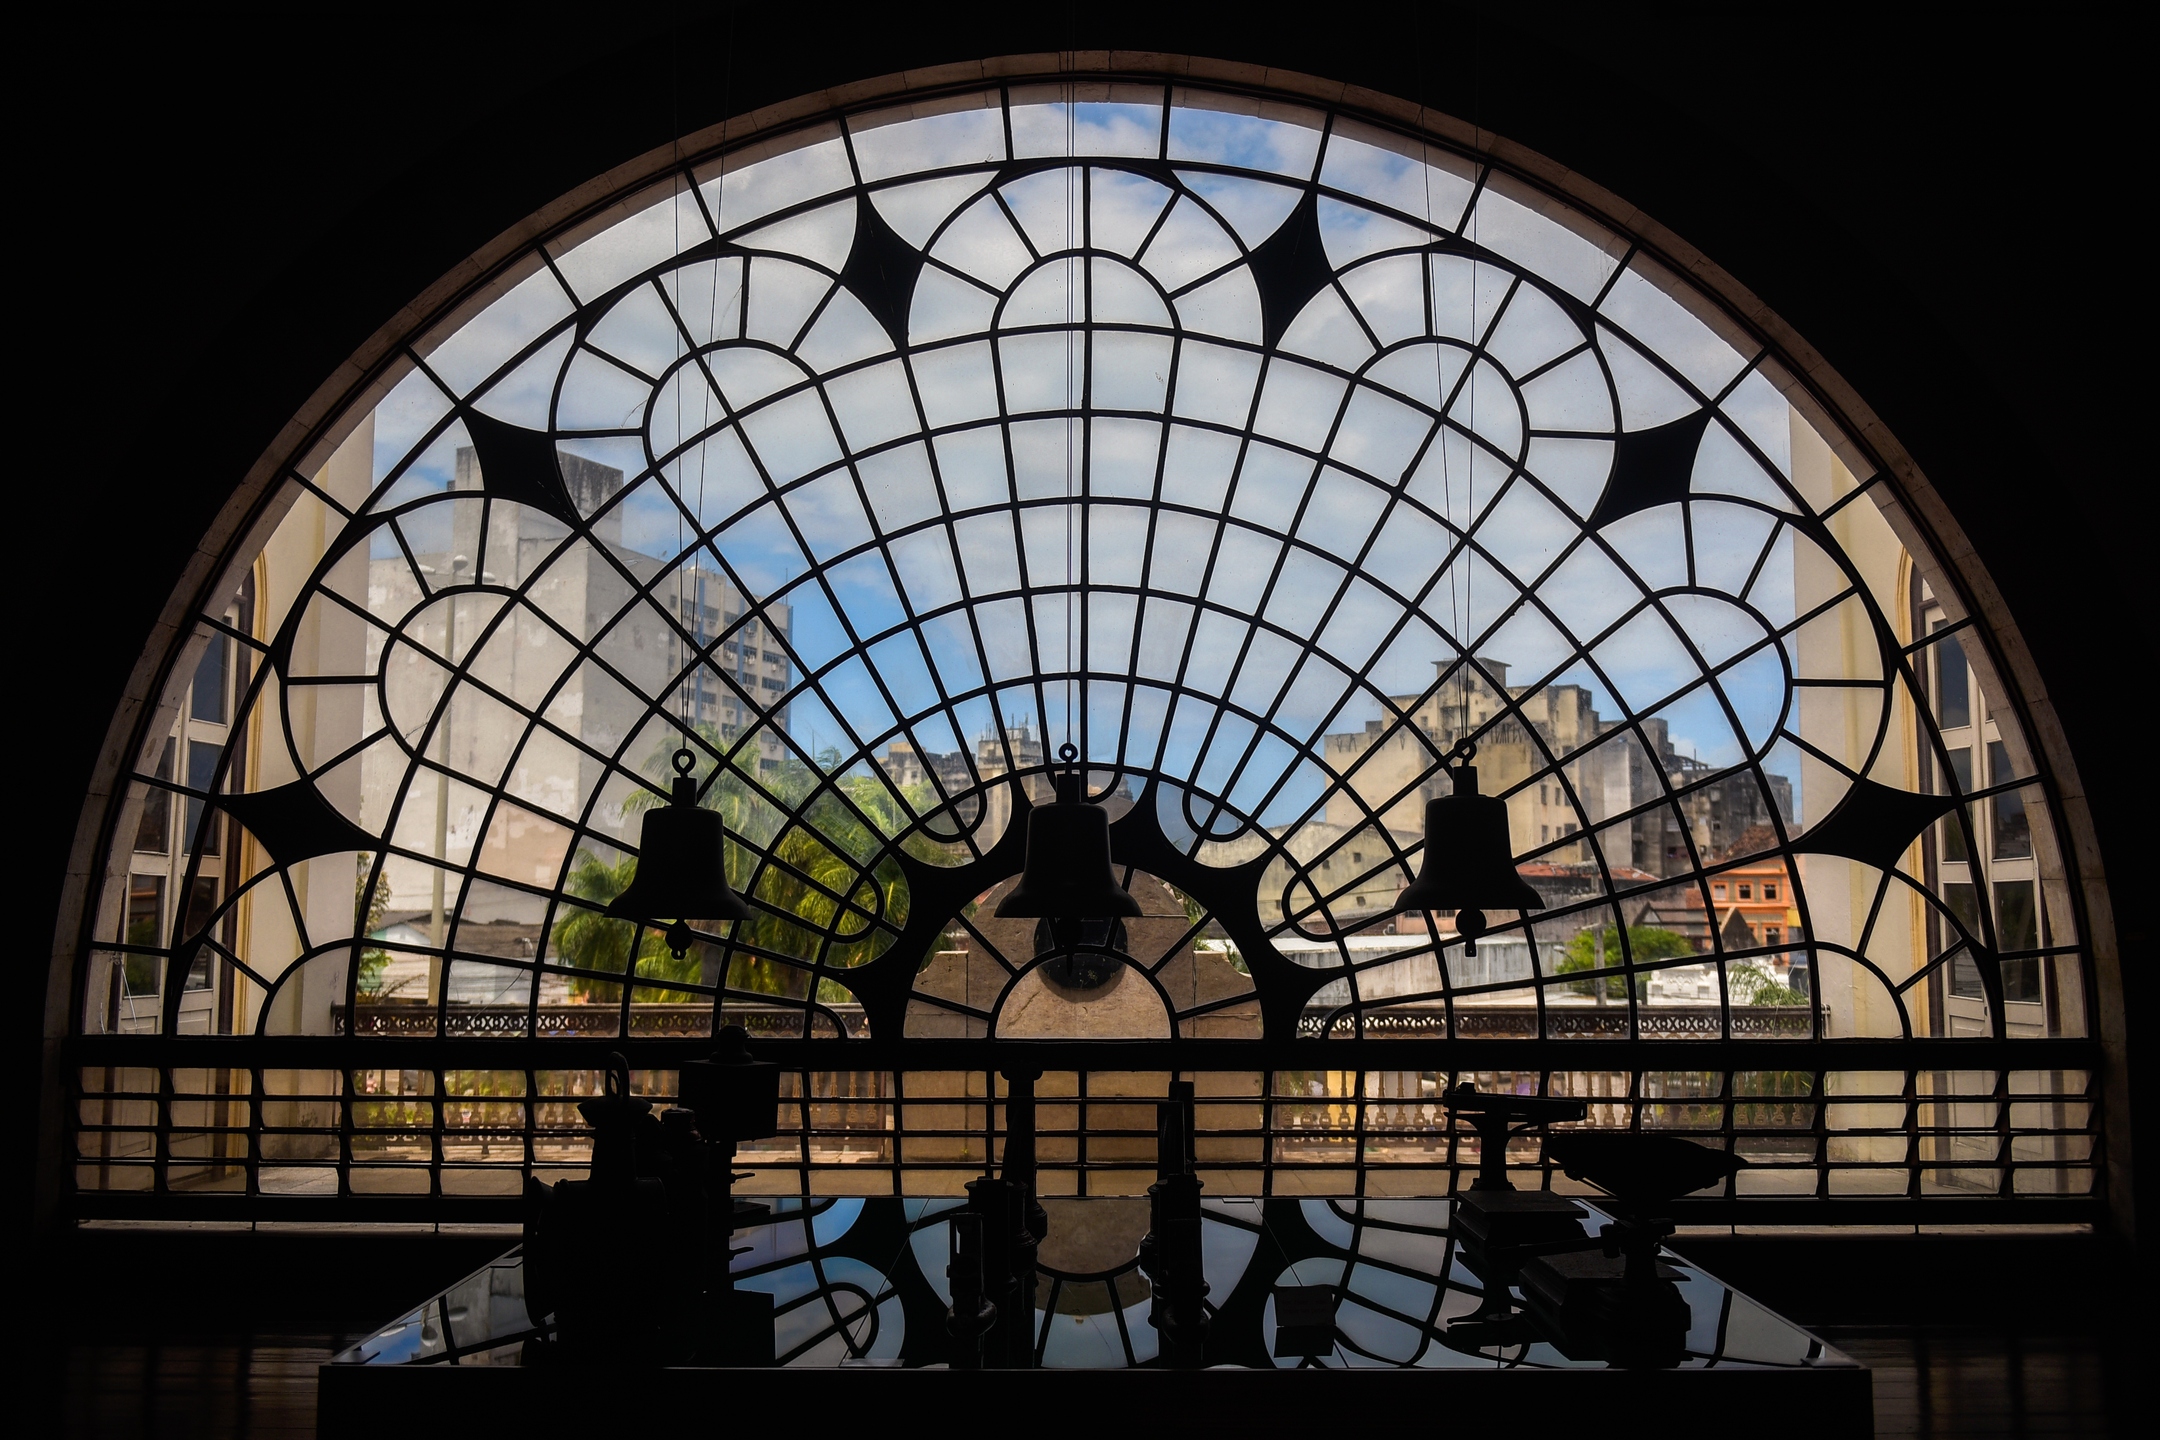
(215, 210)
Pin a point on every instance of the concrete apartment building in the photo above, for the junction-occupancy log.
(1606, 770)
(585, 588)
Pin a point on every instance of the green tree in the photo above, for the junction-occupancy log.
(1753, 985)
(589, 940)
(369, 907)
(1644, 942)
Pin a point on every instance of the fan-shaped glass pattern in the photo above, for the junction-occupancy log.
(1265, 455)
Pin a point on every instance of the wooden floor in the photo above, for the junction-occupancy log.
(1949, 1382)
(1928, 1382)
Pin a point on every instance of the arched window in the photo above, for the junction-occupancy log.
(1261, 450)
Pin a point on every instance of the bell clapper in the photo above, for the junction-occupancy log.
(1468, 867)
(1068, 875)
(1470, 924)
(682, 866)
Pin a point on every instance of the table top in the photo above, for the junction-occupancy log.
(861, 1282)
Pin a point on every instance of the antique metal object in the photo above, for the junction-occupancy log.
(1493, 1113)
(1494, 1218)
(1032, 1222)
(973, 1314)
(1171, 1254)
(1610, 1297)
(1642, 1172)
(682, 866)
(734, 1098)
(1068, 874)
(1469, 863)
(610, 1312)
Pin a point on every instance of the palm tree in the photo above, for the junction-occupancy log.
(813, 854)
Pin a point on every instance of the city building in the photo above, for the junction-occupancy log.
(673, 644)
(1651, 808)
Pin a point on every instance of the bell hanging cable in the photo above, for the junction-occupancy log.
(1469, 861)
(1072, 98)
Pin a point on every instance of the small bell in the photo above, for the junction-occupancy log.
(1469, 867)
(682, 868)
(1068, 874)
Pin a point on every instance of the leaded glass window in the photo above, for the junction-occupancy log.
(1260, 451)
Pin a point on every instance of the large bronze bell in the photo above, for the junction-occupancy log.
(1469, 865)
(1068, 874)
(682, 866)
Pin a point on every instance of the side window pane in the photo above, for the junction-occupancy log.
(1953, 683)
(153, 833)
(202, 899)
(145, 917)
(1964, 903)
(2013, 832)
(202, 762)
(1954, 848)
(207, 701)
(2018, 928)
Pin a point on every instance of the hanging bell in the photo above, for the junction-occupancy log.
(1469, 866)
(1068, 874)
(682, 868)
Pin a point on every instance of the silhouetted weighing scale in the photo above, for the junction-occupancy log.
(1490, 1308)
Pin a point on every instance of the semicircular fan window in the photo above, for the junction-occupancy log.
(1263, 454)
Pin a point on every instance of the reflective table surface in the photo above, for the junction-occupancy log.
(861, 1283)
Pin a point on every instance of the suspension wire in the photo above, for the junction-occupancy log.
(1456, 605)
(1477, 347)
(712, 325)
(1072, 98)
(682, 612)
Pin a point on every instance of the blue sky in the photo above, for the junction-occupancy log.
(1335, 427)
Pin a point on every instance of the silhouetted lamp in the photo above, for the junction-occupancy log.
(682, 868)
(1469, 866)
(1068, 874)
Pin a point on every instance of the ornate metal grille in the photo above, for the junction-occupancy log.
(1260, 451)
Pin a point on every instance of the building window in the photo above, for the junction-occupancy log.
(207, 699)
(1953, 828)
(153, 832)
(2013, 832)
(1953, 683)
